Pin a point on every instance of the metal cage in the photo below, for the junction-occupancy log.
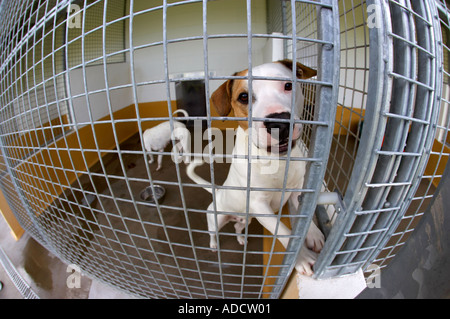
(396, 131)
(82, 80)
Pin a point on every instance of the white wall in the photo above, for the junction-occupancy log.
(118, 74)
(225, 55)
(99, 76)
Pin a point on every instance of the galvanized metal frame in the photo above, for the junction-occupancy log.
(428, 180)
(325, 112)
(398, 133)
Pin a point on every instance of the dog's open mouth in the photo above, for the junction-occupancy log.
(281, 148)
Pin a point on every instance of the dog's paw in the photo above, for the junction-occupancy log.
(158, 168)
(241, 240)
(305, 262)
(314, 238)
(213, 245)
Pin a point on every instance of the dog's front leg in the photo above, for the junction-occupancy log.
(270, 222)
(314, 237)
(160, 160)
(305, 261)
(306, 258)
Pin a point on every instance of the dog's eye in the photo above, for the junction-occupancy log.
(288, 86)
(243, 98)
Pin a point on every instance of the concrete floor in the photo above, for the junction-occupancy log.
(45, 273)
(94, 231)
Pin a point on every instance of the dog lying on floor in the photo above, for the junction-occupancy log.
(271, 100)
(158, 137)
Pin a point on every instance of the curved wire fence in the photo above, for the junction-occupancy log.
(81, 81)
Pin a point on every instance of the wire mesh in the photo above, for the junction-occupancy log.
(438, 152)
(75, 164)
(20, 283)
(403, 125)
(81, 81)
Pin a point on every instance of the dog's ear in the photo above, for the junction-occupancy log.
(221, 98)
(303, 72)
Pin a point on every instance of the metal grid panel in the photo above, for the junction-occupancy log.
(439, 152)
(92, 14)
(15, 277)
(35, 96)
(428, 180)
(79, 195)
(397, 137)
(353, 89)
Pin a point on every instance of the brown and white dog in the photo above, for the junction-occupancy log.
(271, 100)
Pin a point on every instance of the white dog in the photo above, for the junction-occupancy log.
(272, 101)
(158, 137)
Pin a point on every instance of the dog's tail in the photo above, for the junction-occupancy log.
(185, 113)
(192, 175)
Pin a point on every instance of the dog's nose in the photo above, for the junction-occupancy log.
(280, 128)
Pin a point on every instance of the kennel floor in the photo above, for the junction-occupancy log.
(113, 236)
(144, 248)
